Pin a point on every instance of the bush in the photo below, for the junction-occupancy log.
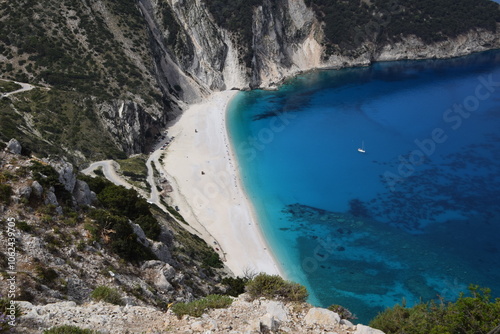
(198, 307)
(69, 330)
(468, 315)
(5, 193)
(107, 294)
(235, 286)
(273, 286)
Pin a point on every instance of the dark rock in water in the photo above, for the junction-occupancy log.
(358, 208)
(341, 249)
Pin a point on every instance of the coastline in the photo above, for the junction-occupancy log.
(202, 168)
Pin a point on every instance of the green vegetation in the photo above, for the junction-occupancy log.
(235, 286)
(348, 23)
(51, 50)
(468, 315)
(52, 119)
(47, 176)
(136, 170)
(5, 193)
(198, 307)
(66, 329)
(111, 222)
(107, 294)
(8, 86)
(122, 202)
(118, 236)
(275, 287)
(5, 305)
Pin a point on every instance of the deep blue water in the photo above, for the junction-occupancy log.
(416, 216)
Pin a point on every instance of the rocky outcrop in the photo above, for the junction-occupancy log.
(132, 127)
(243, 316)
(14, 146)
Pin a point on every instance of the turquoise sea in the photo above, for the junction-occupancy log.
(414, 217)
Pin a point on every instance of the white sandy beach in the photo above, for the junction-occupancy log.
(202, 169)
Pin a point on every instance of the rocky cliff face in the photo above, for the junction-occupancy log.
(287, 39)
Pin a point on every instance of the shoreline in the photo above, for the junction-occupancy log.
(202, 168)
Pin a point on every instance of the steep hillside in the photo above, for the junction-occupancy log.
(71, 234)
(116, 71)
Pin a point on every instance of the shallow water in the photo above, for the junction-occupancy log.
(416, 216)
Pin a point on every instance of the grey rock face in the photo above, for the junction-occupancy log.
(50, 197)
(141, 236)
(37, 188)
(161, 251)
(14, 146)
(66, 175)
(82, 194)
(25, 191)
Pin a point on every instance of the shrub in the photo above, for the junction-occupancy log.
(235, 286)
(66, 329)
(107, 294)
(273, 286)
(198, 307)
(5, 193)
(468, 315)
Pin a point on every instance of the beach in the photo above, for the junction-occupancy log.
(201, 167)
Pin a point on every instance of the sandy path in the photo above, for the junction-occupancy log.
(199, 164)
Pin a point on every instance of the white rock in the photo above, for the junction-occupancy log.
(321, 316)
(14, 146)
(268, 323)
(277, 310)
(347, 323)
(362, 329)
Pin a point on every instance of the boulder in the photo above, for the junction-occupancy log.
(161, 251)
(362, 329)
(37, 188)
(66, 175)
(50, 197)
(276, 309)
(25, 191)
(14, 146)
(82, 193)
(321, 316)
(141, 236)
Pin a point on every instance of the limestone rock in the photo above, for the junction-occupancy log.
(66, 175)
(37, 188)
(82, 193)
(161, 251)
(14, 146)
(25, 191)
(321, 316)
(50, 197)
(141, 236)
(362, 329)
(277, 310)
